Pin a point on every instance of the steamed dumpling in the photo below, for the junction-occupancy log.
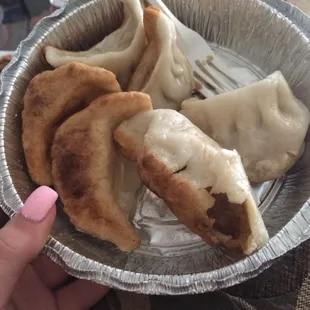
(204, 185)
(163, 73)
(264, 122)
(119, 52)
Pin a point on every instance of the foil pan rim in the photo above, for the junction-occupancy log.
(148, 283)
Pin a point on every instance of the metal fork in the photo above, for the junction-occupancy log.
(212, 75)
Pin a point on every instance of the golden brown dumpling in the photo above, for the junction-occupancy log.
(50, 99)
(86, 167)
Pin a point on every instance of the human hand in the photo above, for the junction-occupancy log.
(41, 284)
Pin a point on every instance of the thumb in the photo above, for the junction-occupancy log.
(23, 237)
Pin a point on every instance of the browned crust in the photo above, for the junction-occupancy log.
(182, 198)
(4, 61)
(125, 143)
(50, 99)
(194, 207)
(149, 59)
(211, 216)
(85, 165)
(150, 18)
(190, 205)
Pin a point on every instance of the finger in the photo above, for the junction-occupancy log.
(22, 238)
(52, 275)
(10, 306)
(31, 294)
(80, 294)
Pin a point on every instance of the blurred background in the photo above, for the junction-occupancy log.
(17, 18)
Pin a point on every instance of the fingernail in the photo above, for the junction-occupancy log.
(39, 204)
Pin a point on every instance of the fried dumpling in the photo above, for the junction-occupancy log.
(119, 52)
(204, 185)
(164, 73)
(264, 122)
(51, 97)
(86, 167)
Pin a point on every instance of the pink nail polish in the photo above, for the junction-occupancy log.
(39, 204)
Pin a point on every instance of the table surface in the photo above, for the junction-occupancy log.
(284, 286)
(302, 4)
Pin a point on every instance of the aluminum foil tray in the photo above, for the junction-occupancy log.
(258, 36)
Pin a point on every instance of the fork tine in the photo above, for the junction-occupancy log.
(213, 75)
(218, 82)
(208, 79)
(222, 81)
(205, 88)
(214, 63)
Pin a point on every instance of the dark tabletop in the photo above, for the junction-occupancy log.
(284, 286)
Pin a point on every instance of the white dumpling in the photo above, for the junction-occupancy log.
(119, 52)
(204, 185)
(264, 122)
(164, 73)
